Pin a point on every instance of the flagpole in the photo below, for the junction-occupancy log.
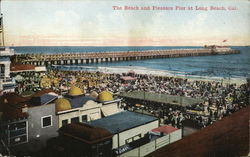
(1, 25)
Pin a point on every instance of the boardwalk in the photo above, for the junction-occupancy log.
(80, 58)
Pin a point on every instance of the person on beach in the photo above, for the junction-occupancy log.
(220, 99)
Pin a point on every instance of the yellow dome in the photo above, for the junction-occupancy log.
(75, 91)
(105, 96)
(62, 104)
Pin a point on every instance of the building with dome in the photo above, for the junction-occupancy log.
(109, 105)
(28, 122)
(62, 104)
(105, 96)
(75, 91)
(75, 106)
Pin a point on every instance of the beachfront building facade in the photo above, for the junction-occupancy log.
(126, 126)
(113, 133)
(89, 111)
(7, 84)
(109, 105)
(27, 123)
(122, 134)
(75, 106)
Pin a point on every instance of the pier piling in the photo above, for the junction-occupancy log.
(83, 58)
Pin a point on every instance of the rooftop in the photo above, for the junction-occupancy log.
(165, 129)
(11, 104)
(21, 67)
(78, 101)
(122, 121)
(162, 98)
(43, 99)
(86, 133)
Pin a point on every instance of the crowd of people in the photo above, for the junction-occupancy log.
(220, 99)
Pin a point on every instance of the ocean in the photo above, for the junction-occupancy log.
(217, 66)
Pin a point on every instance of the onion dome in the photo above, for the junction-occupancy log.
(62, 104)
(105, 96)
(75, 91)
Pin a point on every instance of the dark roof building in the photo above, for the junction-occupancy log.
(43, 99)
(103, 137)
(84, 140)
(11, 106)
(86, 133)
(123, 121)
(126, 126)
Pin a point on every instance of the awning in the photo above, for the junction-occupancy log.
(109, 109)
(167, 129)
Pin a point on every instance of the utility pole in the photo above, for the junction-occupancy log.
(1, 26)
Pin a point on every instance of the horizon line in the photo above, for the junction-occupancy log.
(123, 46)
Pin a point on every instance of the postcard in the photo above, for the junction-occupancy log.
(124, 78)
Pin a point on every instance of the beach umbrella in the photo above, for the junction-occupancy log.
(18, 78)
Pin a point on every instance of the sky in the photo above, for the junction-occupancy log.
(96, 23)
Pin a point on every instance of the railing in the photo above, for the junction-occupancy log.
(96, 56)
(119, 54)
(154, 145)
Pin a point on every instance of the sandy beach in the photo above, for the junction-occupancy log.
(142, 70)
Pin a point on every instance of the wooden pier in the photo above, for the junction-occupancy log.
(97, 57)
